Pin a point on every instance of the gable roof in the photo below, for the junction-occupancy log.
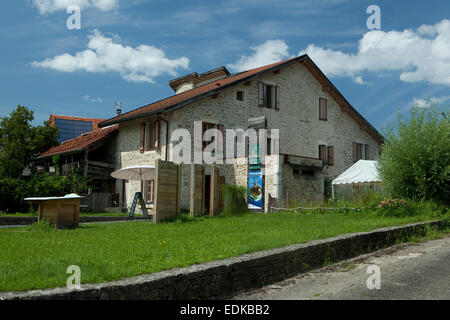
(80, 143)
(213, 88)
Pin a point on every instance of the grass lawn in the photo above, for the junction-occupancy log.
(82, 214)
(33, 258)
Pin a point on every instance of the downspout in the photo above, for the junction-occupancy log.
(167, 136)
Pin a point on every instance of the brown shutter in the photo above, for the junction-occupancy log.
(148, 137)
(221, 148)
(156, 134)
(277, 98)
(330, 155)
(355, 152)
(260, 94)
(322, 149)
(367, 152)
(142, 143)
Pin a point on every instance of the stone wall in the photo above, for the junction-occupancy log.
(230, 277)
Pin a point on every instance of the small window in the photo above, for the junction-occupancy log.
(240, 95)
(308, 173)
(303, 172)
(149, 190)
(323, 105)
(268, 96)
(269, 146)
(207, 126)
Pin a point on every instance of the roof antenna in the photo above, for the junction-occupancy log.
(118, 108)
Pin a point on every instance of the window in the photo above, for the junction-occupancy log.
(149, 190)
(303, 172)
(360, 151)
(326, 153)
(206, 126)
(268, 96)
(149, 136)
(323, 105)
(240, 95)
(221, 147)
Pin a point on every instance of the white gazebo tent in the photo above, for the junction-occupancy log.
(363, 172)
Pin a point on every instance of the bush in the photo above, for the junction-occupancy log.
(415, 159)
(235, 199)
(13, 191)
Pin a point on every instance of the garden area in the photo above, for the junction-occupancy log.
(37, 256)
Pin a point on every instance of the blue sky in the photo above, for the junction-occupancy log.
(129, 50)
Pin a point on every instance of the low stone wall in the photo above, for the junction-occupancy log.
(23, 221)
(226, 278)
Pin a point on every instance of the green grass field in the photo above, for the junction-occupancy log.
(35, 258)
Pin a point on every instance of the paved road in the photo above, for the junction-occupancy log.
(412, 271)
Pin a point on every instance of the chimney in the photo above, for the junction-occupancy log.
(118, 108)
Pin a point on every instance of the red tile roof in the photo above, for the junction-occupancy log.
(196, 93)
(215, 87)
(95, 121)
(80, 143)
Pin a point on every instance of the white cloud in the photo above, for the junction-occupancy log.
(425, 103)
(140, 64)
(421, 55)
(269, 52)
(94, 100)
(50, 6)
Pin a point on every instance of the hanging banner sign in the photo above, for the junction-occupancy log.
(255, 190)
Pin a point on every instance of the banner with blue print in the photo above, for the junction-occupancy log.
(255, 190)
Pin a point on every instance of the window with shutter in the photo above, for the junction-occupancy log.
(330, 155)
(360, 151)
(323, 104)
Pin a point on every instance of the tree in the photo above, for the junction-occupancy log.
(415, 159)
(20, 142)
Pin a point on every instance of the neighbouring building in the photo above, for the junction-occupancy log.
(320, 133)
(73, 127)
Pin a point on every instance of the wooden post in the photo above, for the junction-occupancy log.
(86, 161)
(214, 194)
(196, 189)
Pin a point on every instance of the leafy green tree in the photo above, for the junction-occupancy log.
(20, 142)
(415, 159)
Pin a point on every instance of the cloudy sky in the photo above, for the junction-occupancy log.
(128, 50)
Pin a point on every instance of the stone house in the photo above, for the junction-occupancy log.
(320, 133)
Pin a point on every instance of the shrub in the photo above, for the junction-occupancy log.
(235, 199)
(415, 159)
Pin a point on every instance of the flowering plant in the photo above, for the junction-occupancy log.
(392, 204)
